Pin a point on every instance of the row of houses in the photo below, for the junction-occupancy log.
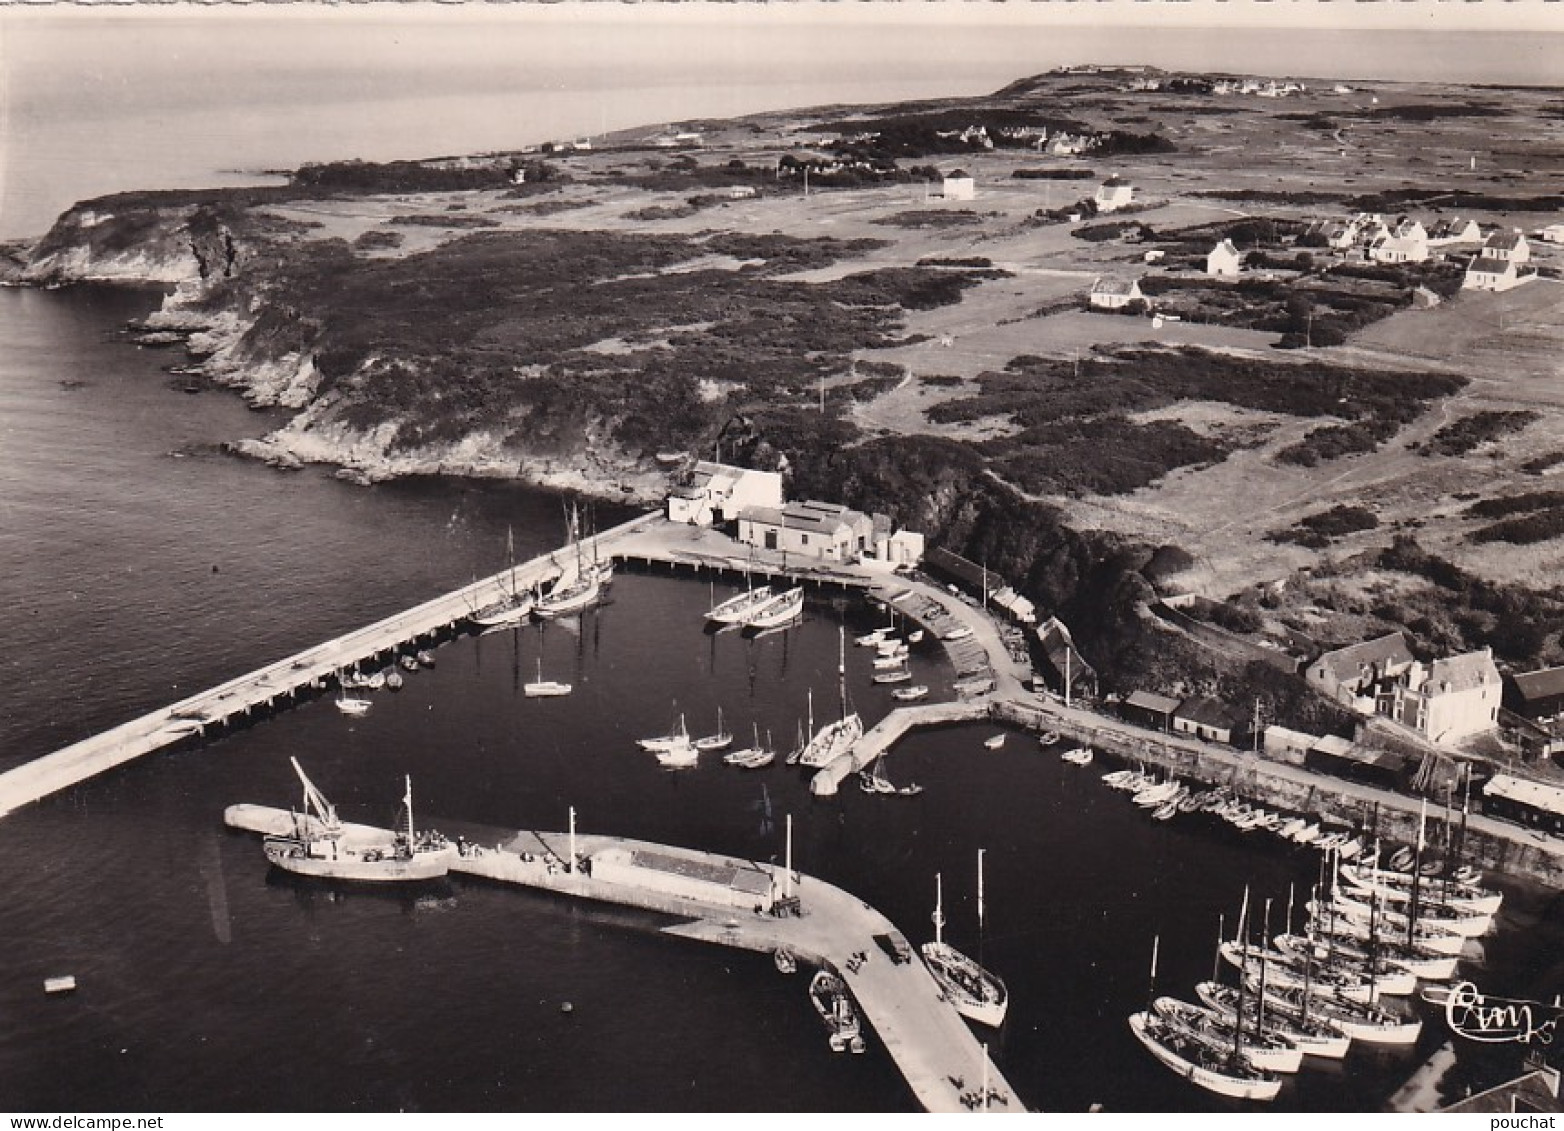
(753, 503)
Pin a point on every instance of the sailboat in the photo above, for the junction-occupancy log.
(581, 585)
(977, 994)
(512, 607)
(1223, 1071)
(322, 847)
(735, 609)
(350, 704)
(541, 688)
(719, 739)
(835, 738)
(781, 610)
(678, 736)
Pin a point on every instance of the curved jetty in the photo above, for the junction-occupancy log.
(759, 907)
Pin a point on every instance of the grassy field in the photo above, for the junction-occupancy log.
(665, 308)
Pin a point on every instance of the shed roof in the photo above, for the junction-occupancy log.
(1210, 712)
(1540, 684)
(1548, 798)
(1107, 285)
(1151, 701)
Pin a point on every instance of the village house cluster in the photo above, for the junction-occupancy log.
(1498, 261)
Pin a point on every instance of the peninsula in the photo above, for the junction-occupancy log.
(1281, 350)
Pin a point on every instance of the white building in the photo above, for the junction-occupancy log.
(1510, 246)
(828, 531)
(1224, 261)
(1348, 674)
(718, 492)
(1452, 699)
(1455, 230)
(958, 185)
(1114, 194)
(1485, 273)
(1114, 294)
(1553, 233)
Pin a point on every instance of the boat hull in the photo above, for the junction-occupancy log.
(975, 993)
(1258, 1088)
(358, 865)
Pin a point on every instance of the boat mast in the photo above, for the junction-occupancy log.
(939, 910)
(841, 666)
(980, 905)
(787, 887)
(407, 802)
(570, 866)
(1417, 875)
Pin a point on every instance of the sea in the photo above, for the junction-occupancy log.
(140, 562)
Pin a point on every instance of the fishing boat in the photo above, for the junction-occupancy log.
(1265, 1050)
(836, 738)
(910, 694)
(786, 963)
(678, 736)
(888, 660)
(351, 704)
(894, 675)
(424, 657)
(372, 681)
(514, 606)
(1361, 1021)
(394, 680)
(409, 663)
(681, 757)
(994, 742)
(579, 587)
(1458, 920)
(541, 688)
(735, 609)
(738, 757)
(874, 781)
(915, 636)
(719, 739)
(321, 846)
(1427, 936)
(1313, 1037)
(1397, 887)
(1222, 1071)
(1286, 971)
(780, 611)
(835, 1007)
(1390, 953)
(872, 639)
(1049, 738)
(1215, 1070)
(977, 994)
(955, 634)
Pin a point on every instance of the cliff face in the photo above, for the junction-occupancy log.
(134, 242)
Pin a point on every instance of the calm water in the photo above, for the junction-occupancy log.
(137, 564)
(100, 102)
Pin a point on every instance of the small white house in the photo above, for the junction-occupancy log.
(1114, 194)
(1553, 233)
(1485, 273)
(1115, 294)
(958, 185)
(1455, 230)
(1399, 249)
(1224, 261)
(1509, 245)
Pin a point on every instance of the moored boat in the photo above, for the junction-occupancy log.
(320, 847)
(976, 993)
(734, 609)
(835, 1007)
(909, 694)
(1313, 1037)
(1264, 1049)
(783, 609)
(1217, 1071)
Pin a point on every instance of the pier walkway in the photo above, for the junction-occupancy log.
(928, 1040)
(887, 732)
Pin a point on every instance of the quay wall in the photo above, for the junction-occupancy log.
(1505, 850)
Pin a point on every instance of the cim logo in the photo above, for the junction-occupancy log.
(1499, 1020)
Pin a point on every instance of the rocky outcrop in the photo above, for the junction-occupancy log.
(139, 239)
